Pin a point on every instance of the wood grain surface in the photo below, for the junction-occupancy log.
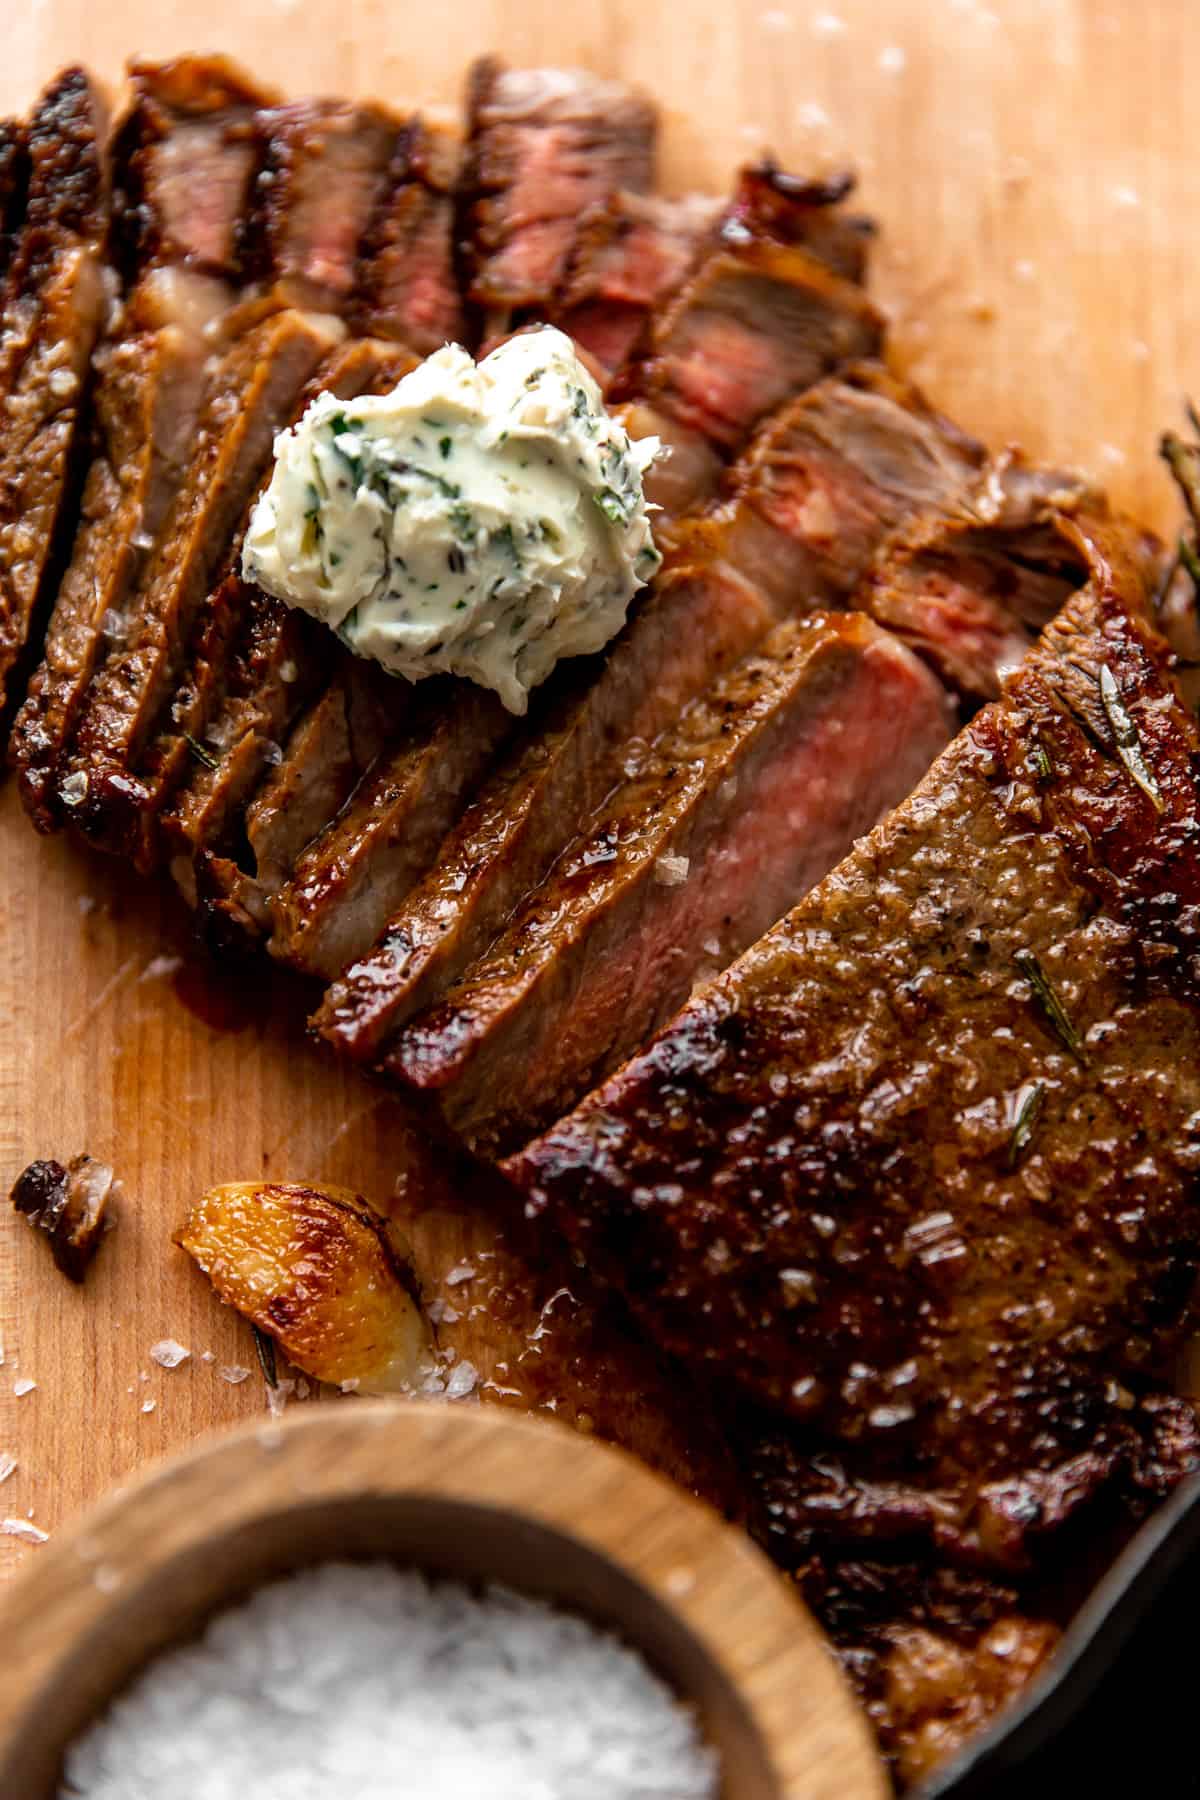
(1032, 168)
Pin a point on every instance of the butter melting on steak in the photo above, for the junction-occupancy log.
(54, 302)
(183, 159)
(920, 1170)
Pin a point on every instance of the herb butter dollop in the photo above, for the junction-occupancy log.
(483, 519)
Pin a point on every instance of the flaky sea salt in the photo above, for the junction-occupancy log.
(23, 1386)
(463, 1271)
(233, 1373)
(671, 871)
(21, 1528)
(168, 1354)
(423, 1688)
(8, 1465)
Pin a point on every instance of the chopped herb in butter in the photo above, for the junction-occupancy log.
(482, 520)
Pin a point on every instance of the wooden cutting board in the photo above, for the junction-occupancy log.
(1030, 164)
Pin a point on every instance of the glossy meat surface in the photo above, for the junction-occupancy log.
(759, 788)
(920, 1170)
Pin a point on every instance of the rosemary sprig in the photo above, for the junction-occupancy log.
(1129, 745)
(1052, 1006)
(199, 752)
(266, 1356)
(1026, 1119)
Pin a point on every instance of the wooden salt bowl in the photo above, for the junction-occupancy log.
(473, 1492)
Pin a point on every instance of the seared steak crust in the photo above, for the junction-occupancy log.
(407, 286)
(14, 181)
(543, 146)
(185, 154)
(759, 788)
(53, 306)
(324, 168)
(251, 393)
(920, 1170)
(182, 166)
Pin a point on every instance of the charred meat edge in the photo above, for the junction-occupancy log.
(188, 121)
(54, 301)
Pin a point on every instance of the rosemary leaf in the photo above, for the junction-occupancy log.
(1052, 1006)
(266, 1356)
(199, 752)
(1040, 757)
(1027, 1117)
(1129, 745)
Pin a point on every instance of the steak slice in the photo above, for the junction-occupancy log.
(329, 751)
(759, 321)
(809, 503)
(631, 252)
(325, 169)
(407, 286)
(971, 587)
(280, 658)
(794, 209)
(820, 732)
(920, 1169)
(543, 146)
(353, 876)
(250, 394)
(54, 302)
(178, 255)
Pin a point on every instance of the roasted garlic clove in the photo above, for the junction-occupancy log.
(70, 1205)
(321, 1272)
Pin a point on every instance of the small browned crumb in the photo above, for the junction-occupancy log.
(319, 1271)
(70, 1205)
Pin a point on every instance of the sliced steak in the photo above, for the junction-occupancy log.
(543, 146)
(280, 658)
(631, 252)
(970, 588)
(407, 287)
(759, 321)
(250, 394)
(54, 301)
(325, 168)
(920, 1170)
(185, 156)
(745, 803)
(794, 209)
(329, 751)
(810, 502)
(353, 876)
(178, 261)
